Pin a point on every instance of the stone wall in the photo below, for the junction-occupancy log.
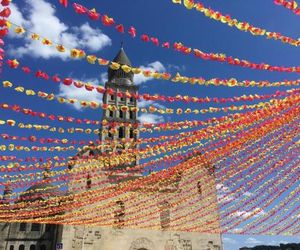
(87, 238)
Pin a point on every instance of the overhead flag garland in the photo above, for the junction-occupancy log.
(289, 4)
(92, 59)
(14, 64)
(235, 172)
(179, 46)
(5, 12)
(232, 22)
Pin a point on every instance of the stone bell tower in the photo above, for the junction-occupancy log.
(119, 121)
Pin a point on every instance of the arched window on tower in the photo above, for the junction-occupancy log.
(123, 98)
(121, 132)
(131, 134)
(111, 97)
(109, 133)
(131, 114)
(119, 215)
(164, 215)
(22, 247)
(11, 247)
(121, 114)
(32, 247)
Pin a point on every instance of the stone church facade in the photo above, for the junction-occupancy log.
(184, 211)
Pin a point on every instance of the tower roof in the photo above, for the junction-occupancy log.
(122, 58)
(119, 76)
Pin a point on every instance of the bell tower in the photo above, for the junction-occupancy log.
(119, 131)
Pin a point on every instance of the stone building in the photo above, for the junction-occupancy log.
(30, 236)
(184, 212)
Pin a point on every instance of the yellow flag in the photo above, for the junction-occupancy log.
(189, 4)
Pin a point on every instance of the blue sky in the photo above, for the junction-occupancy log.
(160, 19)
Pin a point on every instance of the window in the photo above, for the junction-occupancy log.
(35, 227)
(111, 113)
(11, 247)
(32, 247)
(131, 133)
(131, 99)
(112, 97)
(122, 99)
(22, 227)
(164, 215)
(121, 114)
(199, 188)
(21, 247)
(48, 228)
(119, 214)
(110, 134)
(131, 114)
(121, 132)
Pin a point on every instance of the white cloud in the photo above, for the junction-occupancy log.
(72, 92)
(177, 68)
(151, 118)
(226, 195)
(248, 194)
(154, 66)
(229, 240)
(283, 242)
(236, 230)
(254, 213)
(103, 78)
(146, 103)
(222, 188)
(92, 39)
(42, 20)
(16, 16)
(253, 241)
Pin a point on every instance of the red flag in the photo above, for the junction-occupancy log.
(120, 28)
(132, 31)
(64, 2)
(5, 2)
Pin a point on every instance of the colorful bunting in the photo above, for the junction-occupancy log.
(187, 50)
(289, 4)
(233, 22)
(250, 155)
